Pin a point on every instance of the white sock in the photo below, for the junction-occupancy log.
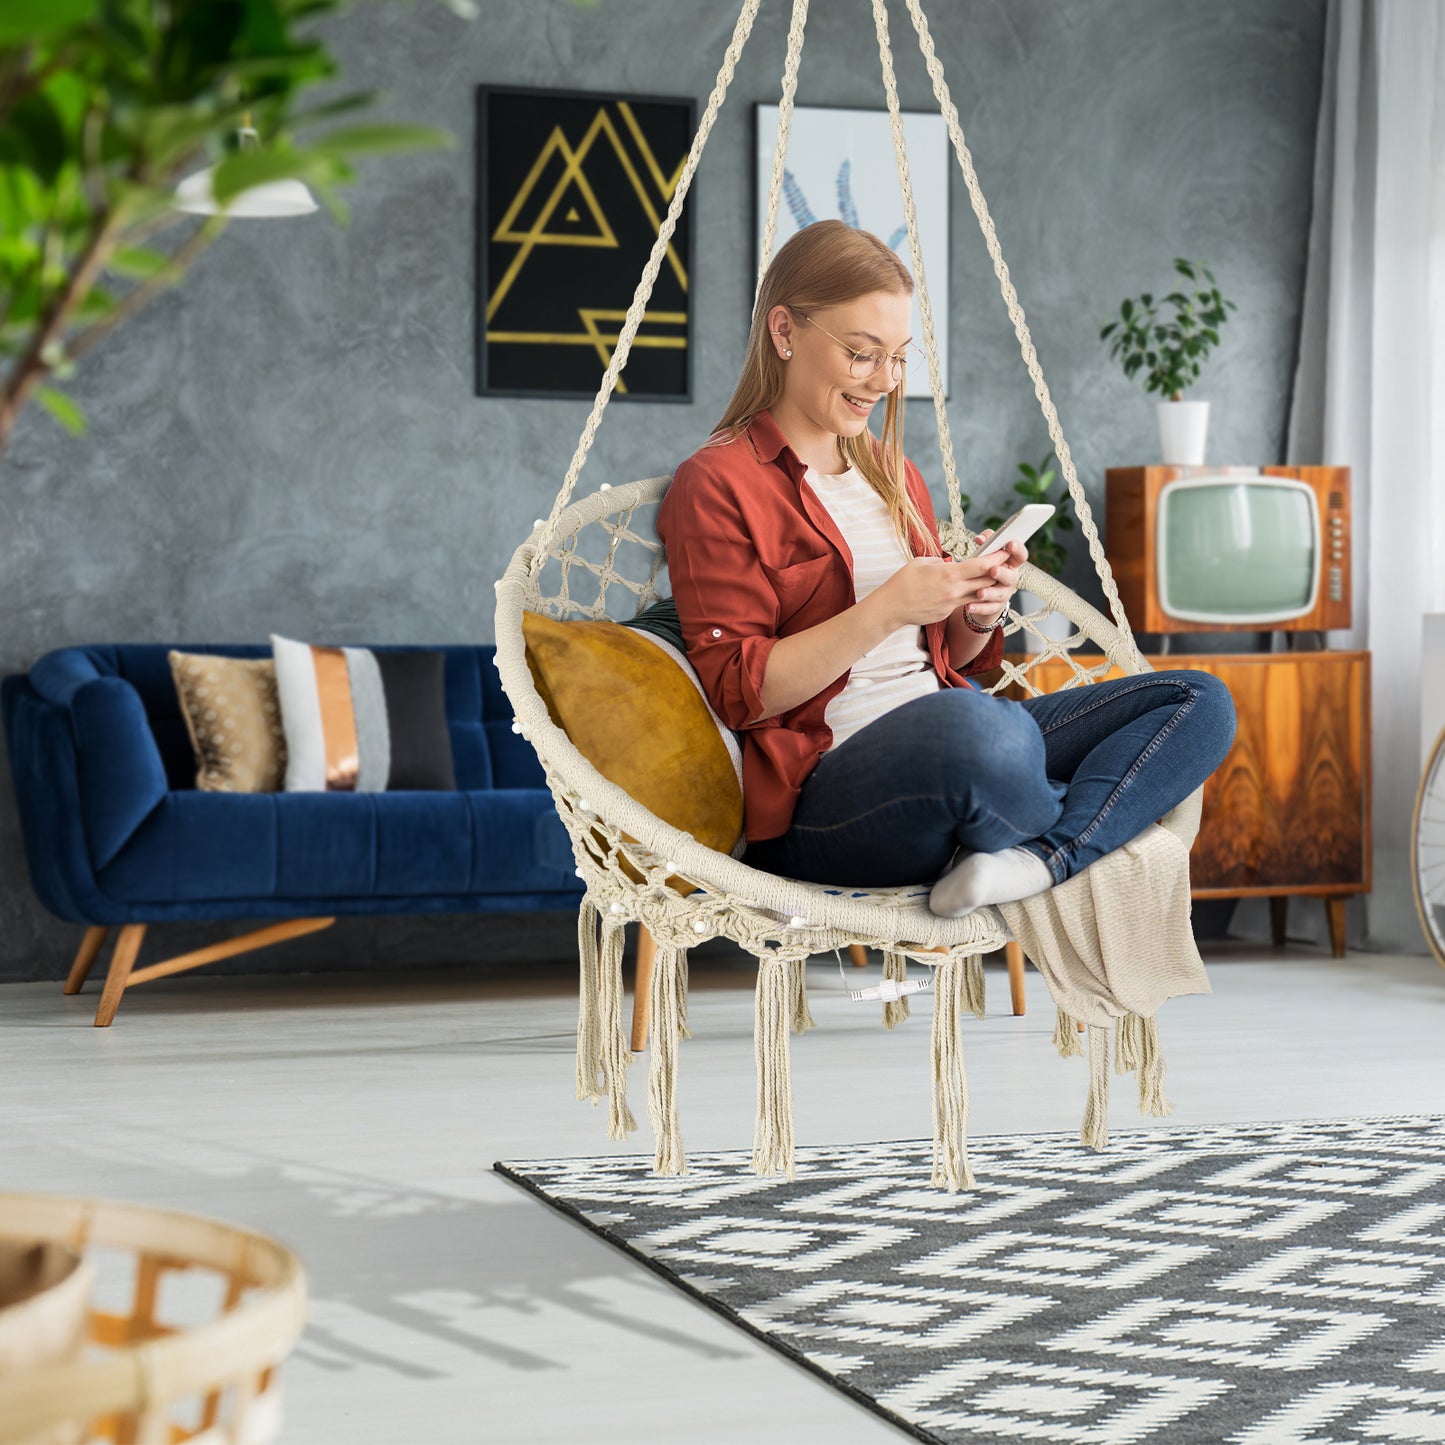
(974, 879)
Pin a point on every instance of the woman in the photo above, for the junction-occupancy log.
(828, 627)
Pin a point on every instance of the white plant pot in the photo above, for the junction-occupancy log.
(1182, 428)
(1054, 625)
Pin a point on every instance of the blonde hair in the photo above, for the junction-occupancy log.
(826, 264)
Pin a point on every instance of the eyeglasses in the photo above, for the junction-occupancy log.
(865, 363)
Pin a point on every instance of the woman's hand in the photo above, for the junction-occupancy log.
(990, 601)
(931, 589)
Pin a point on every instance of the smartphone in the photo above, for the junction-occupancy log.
(1019, 527)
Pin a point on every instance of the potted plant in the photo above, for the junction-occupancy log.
(1046, 552)
(1173, 350)
(108, 108)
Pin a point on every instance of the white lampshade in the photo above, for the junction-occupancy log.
(275, 198)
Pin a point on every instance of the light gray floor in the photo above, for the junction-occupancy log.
(357, 1118)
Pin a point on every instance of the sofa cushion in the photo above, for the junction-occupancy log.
(363, 721)
(198, 846)
(234, 719)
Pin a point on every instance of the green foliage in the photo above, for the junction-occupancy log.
(1171, 349)
(104, 106)
(1046, 551)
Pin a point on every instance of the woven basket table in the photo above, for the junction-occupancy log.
(206, 1312)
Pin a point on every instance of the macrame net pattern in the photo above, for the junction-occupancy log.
(600, 558)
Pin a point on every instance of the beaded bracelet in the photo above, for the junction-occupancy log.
(992, 627)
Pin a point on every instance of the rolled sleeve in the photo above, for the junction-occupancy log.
(990, 657)
(725, 603)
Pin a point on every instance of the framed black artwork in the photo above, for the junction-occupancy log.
(572, 188)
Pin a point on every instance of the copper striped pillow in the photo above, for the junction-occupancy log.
(358, 721)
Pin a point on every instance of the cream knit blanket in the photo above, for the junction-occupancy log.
(1113, 943)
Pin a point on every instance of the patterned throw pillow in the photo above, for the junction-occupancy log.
(359, 721)
(632, 705)
(234, 718)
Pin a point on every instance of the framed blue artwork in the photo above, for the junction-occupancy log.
(840, 165)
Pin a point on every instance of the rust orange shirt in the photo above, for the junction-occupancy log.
(754, 555)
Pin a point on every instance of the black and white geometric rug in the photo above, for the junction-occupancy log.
(1255, 1284)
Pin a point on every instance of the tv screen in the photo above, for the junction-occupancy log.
(1238, 549)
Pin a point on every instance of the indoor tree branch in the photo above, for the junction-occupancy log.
(31, 367)
(144, 294)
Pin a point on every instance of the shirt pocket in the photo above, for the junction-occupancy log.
(798, 581)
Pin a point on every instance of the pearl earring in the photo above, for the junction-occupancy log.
(786, 355)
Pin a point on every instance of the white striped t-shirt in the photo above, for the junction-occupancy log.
(899, 669)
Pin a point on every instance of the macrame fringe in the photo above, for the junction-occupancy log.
(775, 1009)
(798, 996)
(895, 967)
(1140, 1036)
(590, 1086)
(616, 1046)
(952, 994)
(680, 990)
(662, 1063)
(1126, 1043)
(1095, 1133)
(973, 983)
(1066, 1036)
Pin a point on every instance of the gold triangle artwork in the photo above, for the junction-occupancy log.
(573, 188)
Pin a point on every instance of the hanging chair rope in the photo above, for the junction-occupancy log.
(954, 535)
(780, 146)
(741, 31)
(1016, 315)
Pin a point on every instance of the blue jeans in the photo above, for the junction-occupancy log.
(1068, 776)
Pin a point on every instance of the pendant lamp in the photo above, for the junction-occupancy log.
(275, 198)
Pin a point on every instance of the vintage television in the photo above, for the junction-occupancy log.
(1230, 549)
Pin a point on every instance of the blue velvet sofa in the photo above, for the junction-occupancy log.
(117, 835)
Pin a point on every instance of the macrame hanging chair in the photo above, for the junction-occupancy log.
(632, 861)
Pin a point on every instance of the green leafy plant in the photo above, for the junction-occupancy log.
(1171, 349)
(104, 106)
(1046, 551)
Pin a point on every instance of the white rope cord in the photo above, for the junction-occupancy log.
(1095, 1133)
(780, 148)
(950, 1079)
(954, 533)
(616, 1047)
(802, 1017)
(667, 1028)
(741, 31)
(590, 1083)
(895, 970)
(1016, 315)
(773, 1144)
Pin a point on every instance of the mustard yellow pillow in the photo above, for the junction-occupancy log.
(234, 718)
(632, 705)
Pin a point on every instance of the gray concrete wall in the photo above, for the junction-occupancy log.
(290, 441)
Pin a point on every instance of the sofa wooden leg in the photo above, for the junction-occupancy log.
(246, 943)
(642, 988)
(858, 954)
(90, 947)
(123, 973)
(122, 960)
(1014, 956)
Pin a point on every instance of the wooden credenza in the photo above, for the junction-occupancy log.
(1288, 810)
